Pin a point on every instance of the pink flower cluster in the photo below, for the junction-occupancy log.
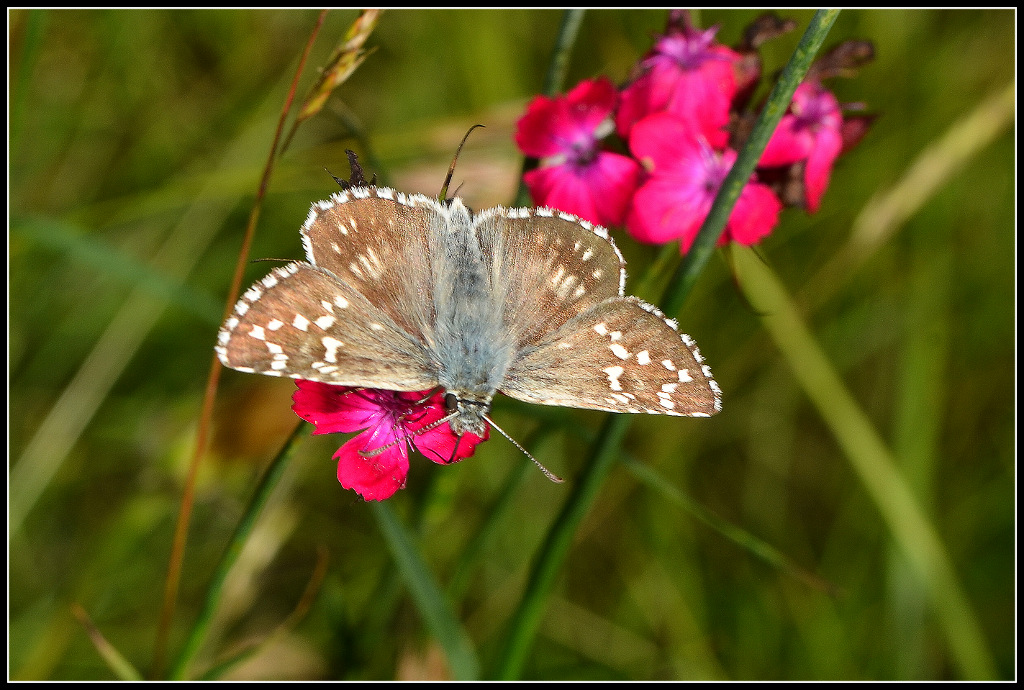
(681, 119)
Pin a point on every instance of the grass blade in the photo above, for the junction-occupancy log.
(429, 599)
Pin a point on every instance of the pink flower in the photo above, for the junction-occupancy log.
(575, 175)
(687, 74)
(812, 132)
(686, 174)
(391, 420)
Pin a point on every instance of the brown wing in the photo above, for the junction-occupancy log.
(623, 355)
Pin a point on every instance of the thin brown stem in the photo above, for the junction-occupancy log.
(202, 435)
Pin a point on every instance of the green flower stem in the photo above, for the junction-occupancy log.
(430, 601)
(552, 554)
(234, 548)
(568, 30)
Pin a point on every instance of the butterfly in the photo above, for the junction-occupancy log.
(407, 293)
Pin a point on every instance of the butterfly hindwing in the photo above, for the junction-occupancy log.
(623, 355)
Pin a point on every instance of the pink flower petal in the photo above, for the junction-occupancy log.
(755, 215)
(689, 76)
(533, 131)
(664, 210)
(813, 132)
(439, 444)
(612, 180)
(556, 186)
(374, 478)
(333, 409)
(666, 142)
(590, 103)
(819, 166)
(703, 100)
(567, 124)
(787, 145)
(599, 192)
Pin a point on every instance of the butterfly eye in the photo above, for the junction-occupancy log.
(451, 403)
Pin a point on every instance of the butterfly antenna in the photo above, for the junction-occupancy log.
(443, 196)
(547, 473)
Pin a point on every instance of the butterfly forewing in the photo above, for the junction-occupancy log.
(302, 322)
(548, 267)
(376, 241)
(620, 356)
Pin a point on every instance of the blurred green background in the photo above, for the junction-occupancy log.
(136, 142)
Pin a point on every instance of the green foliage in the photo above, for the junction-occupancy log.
(754, 545)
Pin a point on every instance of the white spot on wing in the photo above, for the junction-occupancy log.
(331, 345)
(563, 289)
(613, 377)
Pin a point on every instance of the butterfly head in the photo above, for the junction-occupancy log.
(470, 414)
